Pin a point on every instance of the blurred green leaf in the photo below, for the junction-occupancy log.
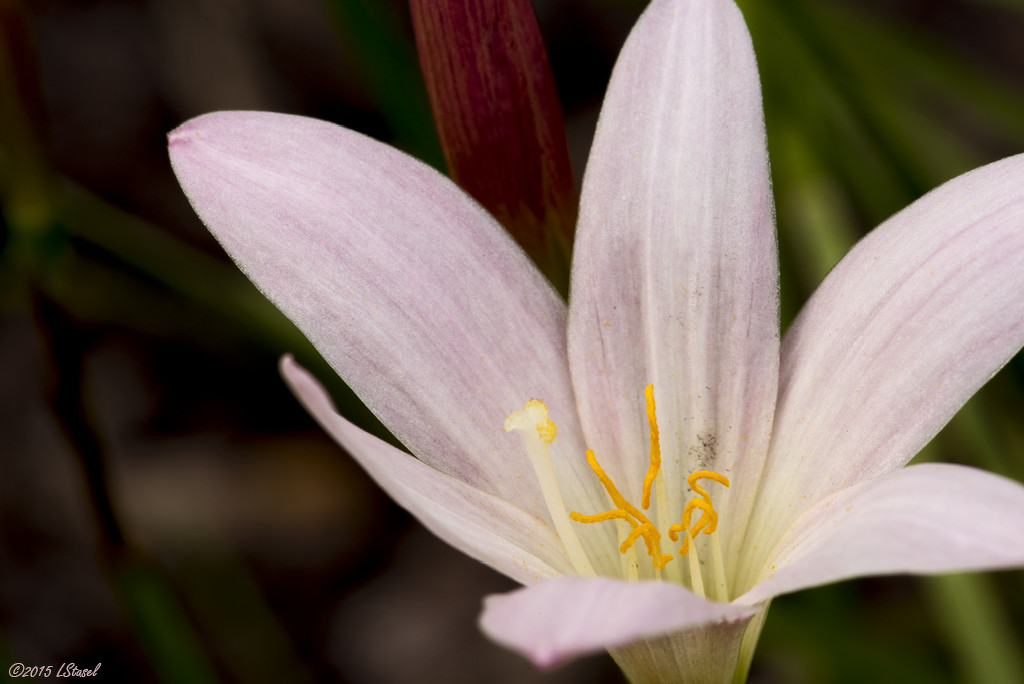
(975, 628)
(167, 637)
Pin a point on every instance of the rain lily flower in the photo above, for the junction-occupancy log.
(650, 460)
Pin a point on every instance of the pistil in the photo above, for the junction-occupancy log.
(537, 431)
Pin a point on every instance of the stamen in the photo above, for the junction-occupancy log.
(630, 567)
(652, 427)
(705, 475)
(641, 526)
(675, 571)
(708, 521)
(696, 581)
(537, 431)
(721, 586)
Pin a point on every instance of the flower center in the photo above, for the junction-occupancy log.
(537, 431)
(640, 525)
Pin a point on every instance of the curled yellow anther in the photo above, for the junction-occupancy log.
(705, 475)
(641, 526)
(708, 521)
(674, 530)
(652, 469)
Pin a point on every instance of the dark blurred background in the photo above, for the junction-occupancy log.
(166, 507)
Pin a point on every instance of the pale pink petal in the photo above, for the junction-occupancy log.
(482, 526)
(900, 334)
(410, 290)
(569, 616)
(923, 519)
(675, 274)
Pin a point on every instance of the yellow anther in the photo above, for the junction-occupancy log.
(652, 428)
(707, 511)
(609, 486)
(641, 526)
(708, 521)
(616, 514)
(701, 475)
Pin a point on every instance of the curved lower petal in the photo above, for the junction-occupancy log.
(675, 275)
(922, 519)
(482, 526)
(918, 316)
(409, 289)
(565, 617)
